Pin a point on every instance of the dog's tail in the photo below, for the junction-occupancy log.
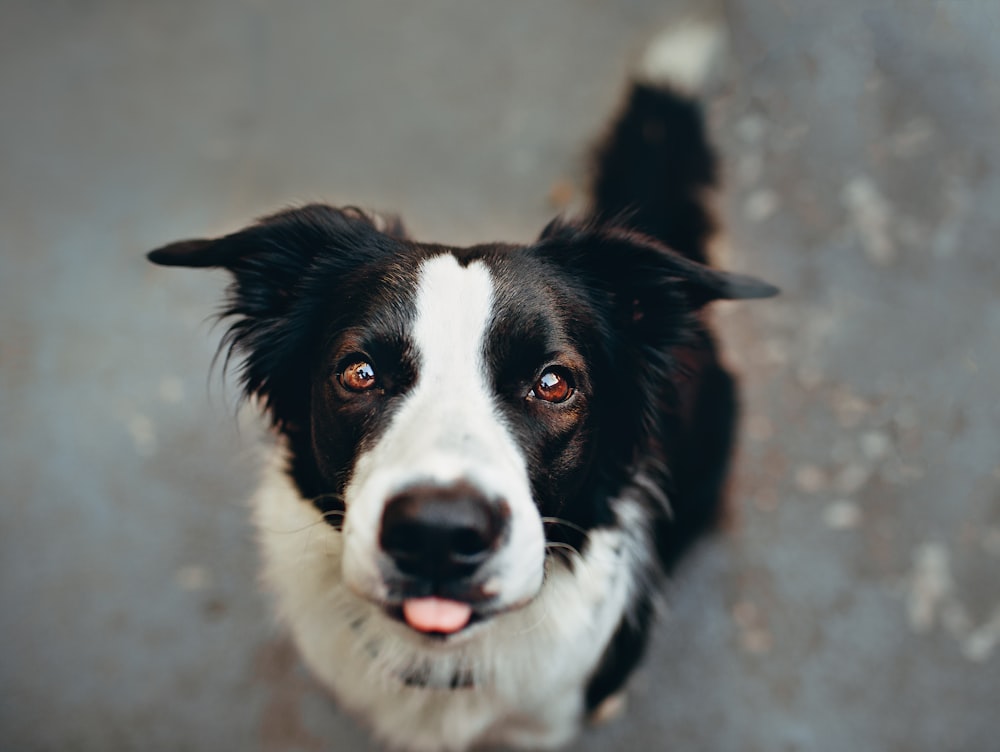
(655, 168)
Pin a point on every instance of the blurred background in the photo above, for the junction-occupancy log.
(852, 603)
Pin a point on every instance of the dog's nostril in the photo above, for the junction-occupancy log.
(468, 542)
(401, 539)
(441, 534)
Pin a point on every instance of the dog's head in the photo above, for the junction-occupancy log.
(456, 413)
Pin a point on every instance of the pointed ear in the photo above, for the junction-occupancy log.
(706, 284)
(299, 232)
(272, 260)
(296, 233)
(197, 253)
(641, 268)
(283, 268)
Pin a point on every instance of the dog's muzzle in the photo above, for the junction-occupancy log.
(439, 541)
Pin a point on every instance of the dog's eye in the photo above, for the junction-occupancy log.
(552, 386)
(358, 376)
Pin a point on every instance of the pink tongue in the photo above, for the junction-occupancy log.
(436, 614)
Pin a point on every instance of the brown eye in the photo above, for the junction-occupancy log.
(552, 386)
(357, 376)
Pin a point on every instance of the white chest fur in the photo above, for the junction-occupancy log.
(526, 669)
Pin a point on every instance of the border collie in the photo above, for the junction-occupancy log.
(489, 458)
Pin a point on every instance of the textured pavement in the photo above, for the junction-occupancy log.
(853, 602)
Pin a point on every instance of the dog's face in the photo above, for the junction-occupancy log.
(458, 414)
(448, 412)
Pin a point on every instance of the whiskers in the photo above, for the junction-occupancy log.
(565, 523)
(332, 517)
(562, 548)
(543, 616)
(559, 546)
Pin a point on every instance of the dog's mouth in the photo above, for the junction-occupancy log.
(444, 618)
(440, 610)
(435, 617)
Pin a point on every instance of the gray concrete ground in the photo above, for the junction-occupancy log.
(853, 602)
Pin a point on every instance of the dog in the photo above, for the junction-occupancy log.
(488, 459)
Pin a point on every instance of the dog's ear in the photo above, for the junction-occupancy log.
(298, 233)
(638, 267)
(269, 257)
(651, 266)
(282, 268)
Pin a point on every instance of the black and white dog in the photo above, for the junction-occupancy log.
(489, 457)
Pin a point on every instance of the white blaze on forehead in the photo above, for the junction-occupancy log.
(453, 305)
(448, 429)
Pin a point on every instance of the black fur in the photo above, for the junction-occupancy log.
(616, 296)
(654, 168)
(652, 174)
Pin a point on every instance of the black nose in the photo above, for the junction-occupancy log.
(441, 534)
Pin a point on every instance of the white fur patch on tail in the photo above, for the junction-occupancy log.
(611, 709)
(685, 55)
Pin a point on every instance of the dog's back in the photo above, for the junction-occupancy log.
(654, 173)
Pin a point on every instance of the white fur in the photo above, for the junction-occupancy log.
(528, 666)
(447, 430)
(686, 55)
